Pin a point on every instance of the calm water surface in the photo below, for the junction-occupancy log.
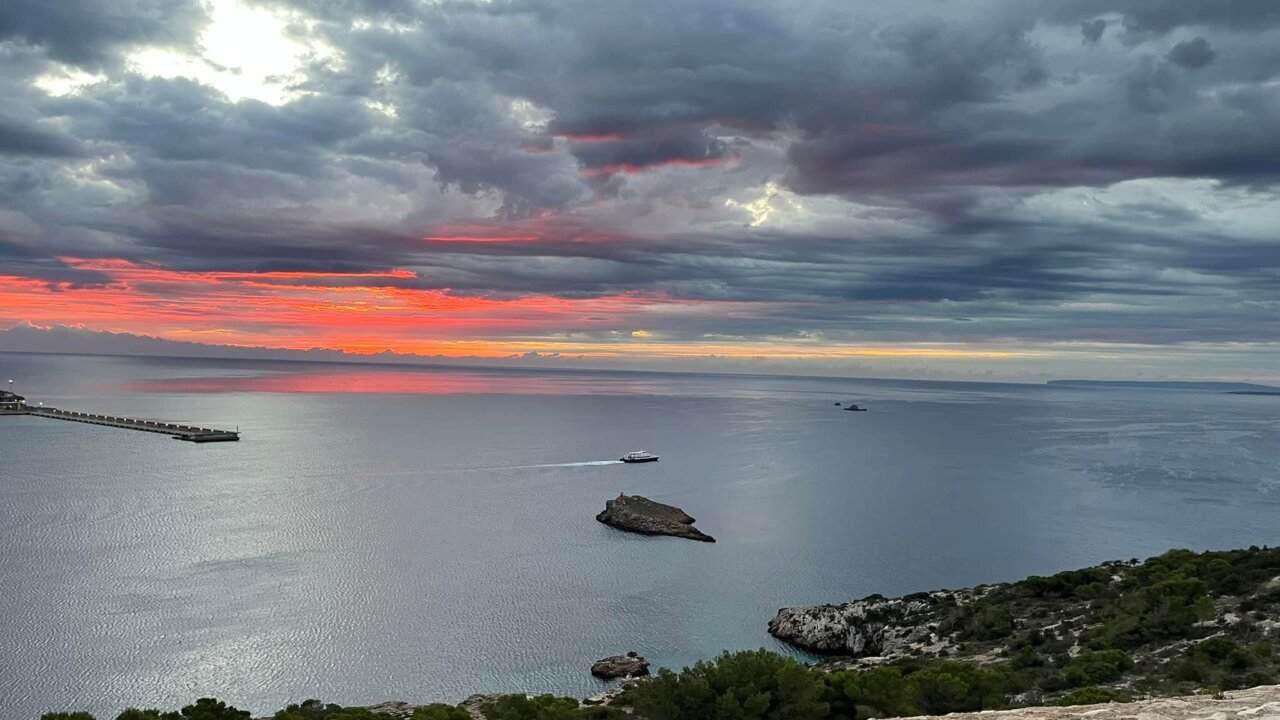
(425, 533)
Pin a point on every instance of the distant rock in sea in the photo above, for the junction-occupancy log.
(638, 514)
(620, 666)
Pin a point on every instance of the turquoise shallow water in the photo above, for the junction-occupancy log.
(419, 533)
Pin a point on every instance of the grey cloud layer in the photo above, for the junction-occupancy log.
(583, 125)
(93, 33)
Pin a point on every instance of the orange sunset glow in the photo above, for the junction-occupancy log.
(361, 313)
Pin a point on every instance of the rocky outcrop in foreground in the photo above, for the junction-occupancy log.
(637, 514)
(1259, 703)
(620, 666)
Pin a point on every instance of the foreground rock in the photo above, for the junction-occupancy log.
(637, 514)
(620, 666)
(1259, 703)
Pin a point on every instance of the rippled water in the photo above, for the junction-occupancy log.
(389, 532)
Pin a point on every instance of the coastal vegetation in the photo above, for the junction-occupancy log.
(1177, 624)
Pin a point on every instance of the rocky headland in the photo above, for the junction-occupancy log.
(638, 514)
(1175, 624)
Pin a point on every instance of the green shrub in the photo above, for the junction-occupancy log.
(212, 709)
(1096, 667)
(1065, 584)
(316, 710)
(988, 622)
(521, 707)
(1255, 679)
(1027, 657)
(439, 711)
(1215, 649)
(136, 714)
(1188, 671)
(1092, 696)
(744, 686)
(951, 686)
(879, 692)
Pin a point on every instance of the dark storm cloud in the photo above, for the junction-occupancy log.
(1092, 30)
(595, 139)
(630, 154)
(19, 259)
(19, 138)
(91, 32)
(1163, 16)
(892, 100)
(345, 10)
(1192, 54)
(529, 182)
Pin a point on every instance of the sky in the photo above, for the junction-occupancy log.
(933, 188)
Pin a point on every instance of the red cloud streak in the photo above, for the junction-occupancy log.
(360, 312)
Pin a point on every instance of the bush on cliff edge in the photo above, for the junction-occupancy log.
(751, 685)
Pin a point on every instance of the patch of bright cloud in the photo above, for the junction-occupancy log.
(532, 117)
(66, 81)
(245, 52)
(763, 207)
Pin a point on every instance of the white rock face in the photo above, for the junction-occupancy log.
(1260, 703)
(870, 627)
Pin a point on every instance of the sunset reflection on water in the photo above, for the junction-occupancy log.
(402, 381)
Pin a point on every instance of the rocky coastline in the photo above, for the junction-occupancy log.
(638, 514)
(1178, 623)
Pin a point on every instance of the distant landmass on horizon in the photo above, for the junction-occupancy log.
(1232, 387)
(68, 340)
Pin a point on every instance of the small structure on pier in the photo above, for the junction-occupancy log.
(11, 402)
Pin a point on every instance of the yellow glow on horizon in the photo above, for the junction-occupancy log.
(662, 351)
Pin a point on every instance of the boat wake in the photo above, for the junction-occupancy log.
(588, 463)
(427, 471)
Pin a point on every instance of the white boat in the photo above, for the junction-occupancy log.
(638, 456)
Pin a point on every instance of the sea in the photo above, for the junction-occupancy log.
(424, 533)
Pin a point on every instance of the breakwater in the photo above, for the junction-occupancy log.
(189, 433)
